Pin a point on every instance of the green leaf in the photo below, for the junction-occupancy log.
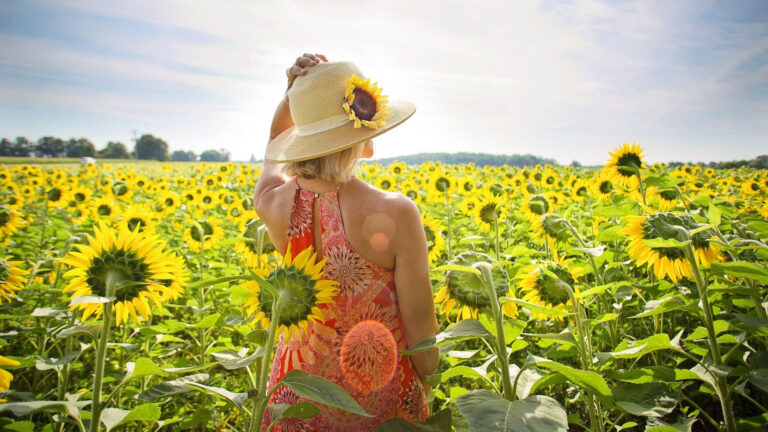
(211, 321)
(21, 409)
(47, 312)
(48, 364)
(466, 372)
(585, 379)
(593, 252)
(232, 360)
(459, 268)
(92, 330)
(318, 389)
(656, 425)
(465, 329)
(657, 307)
(663, 181)
(533, 307)
(634, 349)
(112, 417)
(169, 388)
(21, 426)
(565, 337)
(487, 411)
(89, 299)
(236, 399)
(301, 410)
(649, 399)
(758, 325)
(759, 379)
(611, 234)
(742, 269)
(666, 243)
(141, 368)
(714, 215)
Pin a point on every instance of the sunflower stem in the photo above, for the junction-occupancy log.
(585, 354)
(640, 182)
(101, 353)
(496, 228)
(721, 382)
(449, 216)
(262, 399)
(498, 319)
(598, 276)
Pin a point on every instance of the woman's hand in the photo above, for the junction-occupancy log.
(301, 65)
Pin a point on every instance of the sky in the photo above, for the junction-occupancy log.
(567, 80)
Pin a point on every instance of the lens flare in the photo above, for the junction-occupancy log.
(368, 356)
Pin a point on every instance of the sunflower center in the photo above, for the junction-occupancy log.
(364, 104)
(442, 184)
(207, 199)
(54, 194)
(582, 191)
(104, 210)
(207, 231)
(136, 221)
(169, 202)
(412, 194)
(5, 216)
(550, 180)
(120, 189)
(606, 187)
(537, 176)
(126, 264)
(300, 288)
(79, 196)
(668, 194)
(386, 184)
(630, 160)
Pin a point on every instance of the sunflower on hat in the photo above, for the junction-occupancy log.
(364, 103)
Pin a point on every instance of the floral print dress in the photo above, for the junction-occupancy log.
(366, 292)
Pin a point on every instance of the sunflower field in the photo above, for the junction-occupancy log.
(149, 297)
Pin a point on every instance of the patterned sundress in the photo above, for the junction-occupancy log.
(366, 291)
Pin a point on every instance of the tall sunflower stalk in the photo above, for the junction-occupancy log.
(118, 273)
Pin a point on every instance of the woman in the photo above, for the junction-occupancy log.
(373, 240)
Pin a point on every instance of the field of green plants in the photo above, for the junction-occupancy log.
(149, 297)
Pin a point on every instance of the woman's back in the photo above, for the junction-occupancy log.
(355, 346)
(371, 218)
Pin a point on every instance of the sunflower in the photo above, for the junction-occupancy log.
(488, 211)
(364, 103)
(664, 199)
(11, 278)
(468, 204)
(121, 191)
(549, 229)
(411, 190)
(433, 229)
(535, 206)
(249, 248)
(386, 182)
(10, 222)
(168, 203)
(300, 279)
(623, 162)
(203, 234)
(466, 293)
(602, 187)
(80, 194)
(105, 207)
(544, 284)
(669, 261)
(5, 376)
(139, 216)
(57, 196)
(397, 168)
(439, 185)
(138, 262)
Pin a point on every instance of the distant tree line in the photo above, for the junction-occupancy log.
(479, 159)
(760, 162)
(146, 147)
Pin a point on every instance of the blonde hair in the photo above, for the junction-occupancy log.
(334, 168)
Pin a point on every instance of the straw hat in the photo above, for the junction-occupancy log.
(323, 124)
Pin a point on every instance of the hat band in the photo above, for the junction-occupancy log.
(322, 125)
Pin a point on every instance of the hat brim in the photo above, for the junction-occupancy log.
(290, 147)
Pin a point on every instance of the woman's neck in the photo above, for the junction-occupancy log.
(317, 185)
